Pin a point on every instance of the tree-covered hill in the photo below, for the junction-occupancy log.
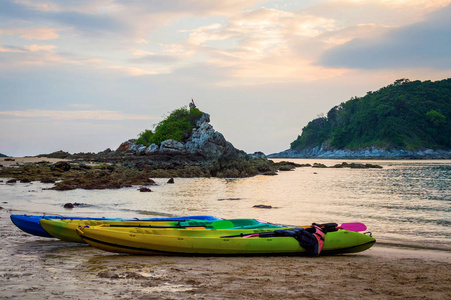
(408, 115)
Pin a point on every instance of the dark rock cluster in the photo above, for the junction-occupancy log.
(98, 176)
(348, 165)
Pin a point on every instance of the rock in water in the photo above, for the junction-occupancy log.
(60, 166)
(75, 204)
(262, 206)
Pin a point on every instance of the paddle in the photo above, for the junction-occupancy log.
(346, 226)
(356, 226)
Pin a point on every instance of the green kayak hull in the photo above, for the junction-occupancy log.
(65, 229)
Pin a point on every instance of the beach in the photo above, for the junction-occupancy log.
(8, 161)
(33, 267)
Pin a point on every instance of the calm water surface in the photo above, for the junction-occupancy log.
(406, 202)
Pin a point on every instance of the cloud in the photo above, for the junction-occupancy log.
(12, 10)
(34, 48)
(87, 23)
(132, 71)
(81, 105)
(73, 115)
(425, 44)
(248, 42)
(90, 24)
(157, 58)
(10, 49)
(198, 7)
(387, 12)
(41, 33)
(206, 33)
(259, 46)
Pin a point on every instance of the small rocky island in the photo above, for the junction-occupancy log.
(183, 145)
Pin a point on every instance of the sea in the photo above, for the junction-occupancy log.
(406, 203)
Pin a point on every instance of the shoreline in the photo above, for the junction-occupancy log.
(34, 267)
(366, 153)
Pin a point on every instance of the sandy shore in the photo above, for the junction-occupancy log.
(33, 267)
(8, 161)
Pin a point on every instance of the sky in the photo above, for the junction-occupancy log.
(87, 75)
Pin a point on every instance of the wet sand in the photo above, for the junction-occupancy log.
(33, 267)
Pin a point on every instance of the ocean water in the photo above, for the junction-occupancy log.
(406, 203)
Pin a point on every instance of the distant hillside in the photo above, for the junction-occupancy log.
(405, 115)
(3, 155)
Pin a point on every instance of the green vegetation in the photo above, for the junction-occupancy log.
(176, 126)
(436, 118)
(406, 115)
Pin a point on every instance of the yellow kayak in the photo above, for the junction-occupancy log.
(153, 241)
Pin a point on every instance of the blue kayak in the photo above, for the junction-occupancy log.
(30, 223)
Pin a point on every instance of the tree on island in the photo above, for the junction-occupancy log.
(176, 126)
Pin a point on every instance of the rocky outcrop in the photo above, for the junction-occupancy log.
(203, 152)
(371, 152)
(202, 141)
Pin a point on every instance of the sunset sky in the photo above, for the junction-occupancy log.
(86, 75)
